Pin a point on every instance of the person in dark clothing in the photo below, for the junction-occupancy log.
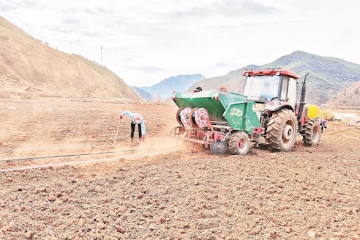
(323, 124)
(198, 89)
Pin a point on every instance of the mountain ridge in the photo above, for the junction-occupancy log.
(32, 69)
(328, 75)
(142, 93)
(166, 87)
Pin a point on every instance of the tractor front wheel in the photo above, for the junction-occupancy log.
(281, 130)
(311, 133)
(239, 143)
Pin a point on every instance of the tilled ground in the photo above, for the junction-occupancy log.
(159, 189)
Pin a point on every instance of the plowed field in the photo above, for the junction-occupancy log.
(66, 173)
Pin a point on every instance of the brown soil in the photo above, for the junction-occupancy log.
(63, 177)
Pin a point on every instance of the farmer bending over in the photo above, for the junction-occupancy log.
(136, 119)
(323, 124)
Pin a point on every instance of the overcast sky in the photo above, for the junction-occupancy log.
(147, 41)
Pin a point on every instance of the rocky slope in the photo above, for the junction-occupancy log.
(32, 69)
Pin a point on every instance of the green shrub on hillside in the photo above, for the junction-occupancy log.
(327, 114)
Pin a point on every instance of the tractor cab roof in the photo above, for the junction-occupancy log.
(269, 72)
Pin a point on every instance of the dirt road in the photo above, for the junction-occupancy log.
(63, 177)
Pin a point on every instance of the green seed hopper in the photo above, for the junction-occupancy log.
(223, 107)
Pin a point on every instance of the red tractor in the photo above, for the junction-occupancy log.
(281, 113)
(269, 108)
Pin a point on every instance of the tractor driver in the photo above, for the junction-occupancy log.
(198, 89)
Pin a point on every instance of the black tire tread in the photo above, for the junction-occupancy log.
(308, 132)
(273, 132)
(233, 143)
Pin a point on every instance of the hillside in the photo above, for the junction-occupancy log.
(145, 95)
(234, 81)
(347, 98)
(328, 76)
(166, 87)
(31, 69)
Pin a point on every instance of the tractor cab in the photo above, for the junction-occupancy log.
(272, 87)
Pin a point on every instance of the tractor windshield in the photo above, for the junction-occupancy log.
(264, 88)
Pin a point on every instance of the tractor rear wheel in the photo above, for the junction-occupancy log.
(239, 143)
(218, 147)
(281, 130)
(311, 133)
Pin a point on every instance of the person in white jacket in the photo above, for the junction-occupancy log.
(136, 119)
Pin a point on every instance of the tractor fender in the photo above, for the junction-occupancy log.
(271, 109)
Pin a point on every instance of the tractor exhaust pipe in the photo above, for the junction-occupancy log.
(302, 99)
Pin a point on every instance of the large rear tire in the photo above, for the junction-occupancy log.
(239, 143)
(311, 133)
(281, 130)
